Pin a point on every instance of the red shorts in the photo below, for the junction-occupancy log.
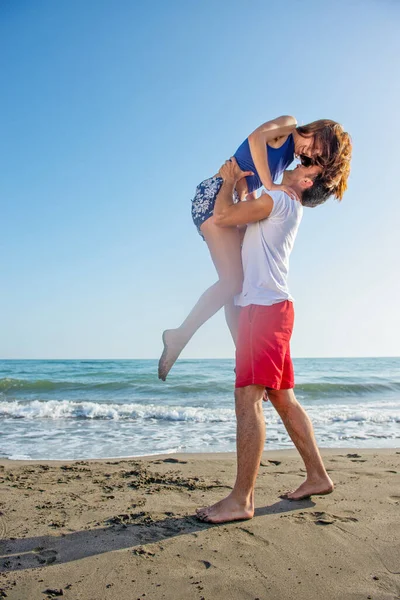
(263, 346)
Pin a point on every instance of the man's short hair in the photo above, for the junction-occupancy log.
(317, 194)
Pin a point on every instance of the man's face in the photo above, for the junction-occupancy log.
(303, 175)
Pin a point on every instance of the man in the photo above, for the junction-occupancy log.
(265, 326)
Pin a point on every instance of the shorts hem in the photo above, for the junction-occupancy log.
(272, 385)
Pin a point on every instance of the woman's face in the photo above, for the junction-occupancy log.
(305, 146)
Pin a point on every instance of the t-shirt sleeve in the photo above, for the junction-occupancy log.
(282, 205)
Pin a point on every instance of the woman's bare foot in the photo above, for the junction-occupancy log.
(318, 487)
(228, 509)
(174, 343)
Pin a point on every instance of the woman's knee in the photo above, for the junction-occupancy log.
(224, 246)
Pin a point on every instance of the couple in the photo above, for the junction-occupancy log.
(266, 153)
(261, 318)
(263, 362)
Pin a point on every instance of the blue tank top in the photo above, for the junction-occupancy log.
(278, 160)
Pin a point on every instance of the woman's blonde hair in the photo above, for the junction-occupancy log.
(336, 152)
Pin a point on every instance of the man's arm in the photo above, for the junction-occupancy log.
(227, 214)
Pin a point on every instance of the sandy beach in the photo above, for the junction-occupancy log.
(125, 529)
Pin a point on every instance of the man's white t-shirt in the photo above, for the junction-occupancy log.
(266, 248)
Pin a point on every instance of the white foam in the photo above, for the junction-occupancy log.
(67, 409)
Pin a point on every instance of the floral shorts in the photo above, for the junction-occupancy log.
(204, 200)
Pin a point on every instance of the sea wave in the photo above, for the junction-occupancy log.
(318, 390)
(142, 384)
(67, 409)
(147, 384)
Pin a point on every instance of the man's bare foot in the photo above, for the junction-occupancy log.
(174, 343)
(228, 509)
(308, 488)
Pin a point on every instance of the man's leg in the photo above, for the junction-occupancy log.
(300, 429)
(250, 444)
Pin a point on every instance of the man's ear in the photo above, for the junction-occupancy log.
(307, 183)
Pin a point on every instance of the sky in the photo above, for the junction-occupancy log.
(113, 112)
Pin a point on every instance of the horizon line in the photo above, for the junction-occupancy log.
(203, 358)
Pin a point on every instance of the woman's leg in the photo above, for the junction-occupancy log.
(225, 250)
(232, 313)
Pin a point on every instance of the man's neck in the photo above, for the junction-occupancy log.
(286, 181)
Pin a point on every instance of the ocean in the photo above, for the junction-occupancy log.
(70, 409)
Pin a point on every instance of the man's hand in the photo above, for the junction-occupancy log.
(231, 172)
(287, 189)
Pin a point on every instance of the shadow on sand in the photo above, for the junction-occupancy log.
(28, 553)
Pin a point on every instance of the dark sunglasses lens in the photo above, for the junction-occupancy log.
(306, 161)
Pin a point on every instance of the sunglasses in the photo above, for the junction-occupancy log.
(308, 161)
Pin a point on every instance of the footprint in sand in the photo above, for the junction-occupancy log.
(323, 518)
(3, 526)
(45, 556)
(394, 499)
(169, 460)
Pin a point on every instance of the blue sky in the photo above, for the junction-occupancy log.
(113, 112)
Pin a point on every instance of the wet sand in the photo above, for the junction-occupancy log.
(125, 529)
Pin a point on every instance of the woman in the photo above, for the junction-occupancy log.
(264, 155)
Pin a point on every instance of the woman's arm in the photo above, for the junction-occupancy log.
(269, 131)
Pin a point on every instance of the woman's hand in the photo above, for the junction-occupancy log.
(287, 189)
(231, 172)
